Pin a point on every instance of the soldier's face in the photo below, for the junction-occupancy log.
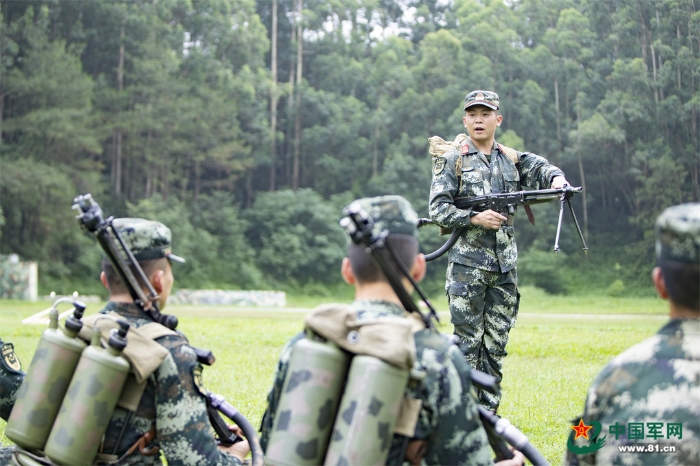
(167, 280)
(481, 122)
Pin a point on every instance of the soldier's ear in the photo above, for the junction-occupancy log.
(103, 279)
(346, 272)
(419, 268)
(157, 280)
(659, 283)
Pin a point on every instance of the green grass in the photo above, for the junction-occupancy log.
(552, 358)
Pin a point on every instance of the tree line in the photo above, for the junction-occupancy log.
(246, 126)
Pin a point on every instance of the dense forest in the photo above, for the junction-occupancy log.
(246, 126)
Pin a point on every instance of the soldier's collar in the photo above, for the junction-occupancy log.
(126, 309)
(470, 148)
(372, 304)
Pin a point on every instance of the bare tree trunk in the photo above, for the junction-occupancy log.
(120, 84)
(113, 165)
(290, 110)
(375, 153)
(149, 172)
(297, 121)
(273, 99)
(556, 103)
(2, 100)
(678, 67)
(653, 64)
(197, 178)
(185, 180)
(580, 166)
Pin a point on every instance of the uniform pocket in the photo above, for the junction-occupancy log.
(512, 180)
(472, 182)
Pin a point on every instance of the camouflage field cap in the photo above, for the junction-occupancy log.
(678, 233)
(147, 239)
(393, 213)
(487, 98)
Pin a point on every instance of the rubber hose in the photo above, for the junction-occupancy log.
(445, 247)
(248, 430)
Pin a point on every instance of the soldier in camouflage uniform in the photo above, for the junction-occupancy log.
(657, 382)
(173, 406)
(171, 417)
(448, 430)
(11, 377)
(482, 280)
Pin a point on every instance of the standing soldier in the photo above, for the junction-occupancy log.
(482, 280)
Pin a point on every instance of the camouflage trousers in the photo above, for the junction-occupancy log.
(6, 455)
(483, 309)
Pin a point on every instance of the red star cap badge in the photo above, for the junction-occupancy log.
(581, 430)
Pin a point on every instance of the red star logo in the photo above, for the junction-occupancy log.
(581, 430)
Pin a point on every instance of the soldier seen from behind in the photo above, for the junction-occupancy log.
(172, 413)
(646, 401)
(481, 279)
(167, 413)
(433, 419)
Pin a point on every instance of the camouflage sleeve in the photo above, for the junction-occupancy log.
(11, 378)
(536, 172)
(457, 436)
(443, 189)
(273, 396)
(183, 429)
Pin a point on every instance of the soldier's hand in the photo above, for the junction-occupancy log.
(559, 182)
(518, 459)
(488, 219)
(239, 449)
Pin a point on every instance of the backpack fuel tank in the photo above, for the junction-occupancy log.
(46, 382)
(307, 407)
(90, 400)
(330, 415)
(364, 426)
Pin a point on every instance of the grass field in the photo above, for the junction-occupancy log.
(556, 348)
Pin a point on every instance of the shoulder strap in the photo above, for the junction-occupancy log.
(389, 338)
(143, 353)
(512, 154)
(154, 330)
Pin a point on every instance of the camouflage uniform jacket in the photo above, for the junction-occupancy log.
(492, 250)
(655, 381)
(448, 418)
(172, 402)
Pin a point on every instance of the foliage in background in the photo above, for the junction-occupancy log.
(163, 109)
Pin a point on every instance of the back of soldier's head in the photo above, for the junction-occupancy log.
(151, 244)
(678, 253)
(392, 213)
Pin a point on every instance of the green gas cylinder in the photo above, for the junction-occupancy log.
(46, 382)
(308, 403)
(364, 426)
(90, 400)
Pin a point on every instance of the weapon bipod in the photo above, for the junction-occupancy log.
(566, 197)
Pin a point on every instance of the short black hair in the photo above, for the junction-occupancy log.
(682, 281)
(364, 267)
(114, 281)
